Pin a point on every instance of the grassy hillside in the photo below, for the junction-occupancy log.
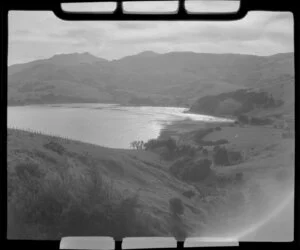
(255, 175)
(276, 99)
(59, 187)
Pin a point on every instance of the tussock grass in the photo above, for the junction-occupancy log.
(54, 205)
(55, 147)
(45, 157)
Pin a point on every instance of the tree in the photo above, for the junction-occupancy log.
(189, 170)
(138, 145)
(220, 156)
(205, 151)
(133, 144)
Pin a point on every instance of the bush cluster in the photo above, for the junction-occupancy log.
(201, 133)
(63, 205)
(189, 194)
(225, 157)
(169, 149)
(189, 170)
(258, 121)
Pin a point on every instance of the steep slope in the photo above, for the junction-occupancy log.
(64, 165)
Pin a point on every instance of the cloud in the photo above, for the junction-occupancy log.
(142, 7)
(34, 35)
(211, 6)
(80, 36)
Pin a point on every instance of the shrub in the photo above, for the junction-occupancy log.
(28, 170)
(223, 180)
(235, 157)
(224, 157)
(55, 147)
(205, 151)
(200, 134)
(188, 170)
(138, 145)
(218, 128)
(151, 144)
(189, 194)
(200, 170)
(239, 176)
(65, 205)
(220, 156)
(185, 150)
(169, 147)
(169, 150)
(176, 206)
(221, 141)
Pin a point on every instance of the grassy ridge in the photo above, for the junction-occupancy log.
(50, 195)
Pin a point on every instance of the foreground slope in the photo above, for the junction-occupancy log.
(60, 168)
(59, 187)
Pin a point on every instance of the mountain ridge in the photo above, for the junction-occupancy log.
(151, 52)
(174, 78)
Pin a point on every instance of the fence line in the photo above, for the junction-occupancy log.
(49, 134)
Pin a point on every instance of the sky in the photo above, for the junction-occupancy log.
(39, 35)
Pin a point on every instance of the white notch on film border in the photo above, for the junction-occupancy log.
(108, 243)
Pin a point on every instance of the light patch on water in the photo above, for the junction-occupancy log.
(109, 125)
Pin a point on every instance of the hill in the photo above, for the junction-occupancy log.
(276, 100)
(171, 79)
(59, 187)
(79, 186)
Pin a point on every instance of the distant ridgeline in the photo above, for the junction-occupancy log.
(235, 103)
(170, 79)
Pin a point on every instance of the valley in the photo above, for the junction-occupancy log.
(197, 178)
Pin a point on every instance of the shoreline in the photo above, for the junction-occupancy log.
(123, 105)
(170, 128)
(104, 103)
(175, 128)
(230, 117)
(93, 102)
